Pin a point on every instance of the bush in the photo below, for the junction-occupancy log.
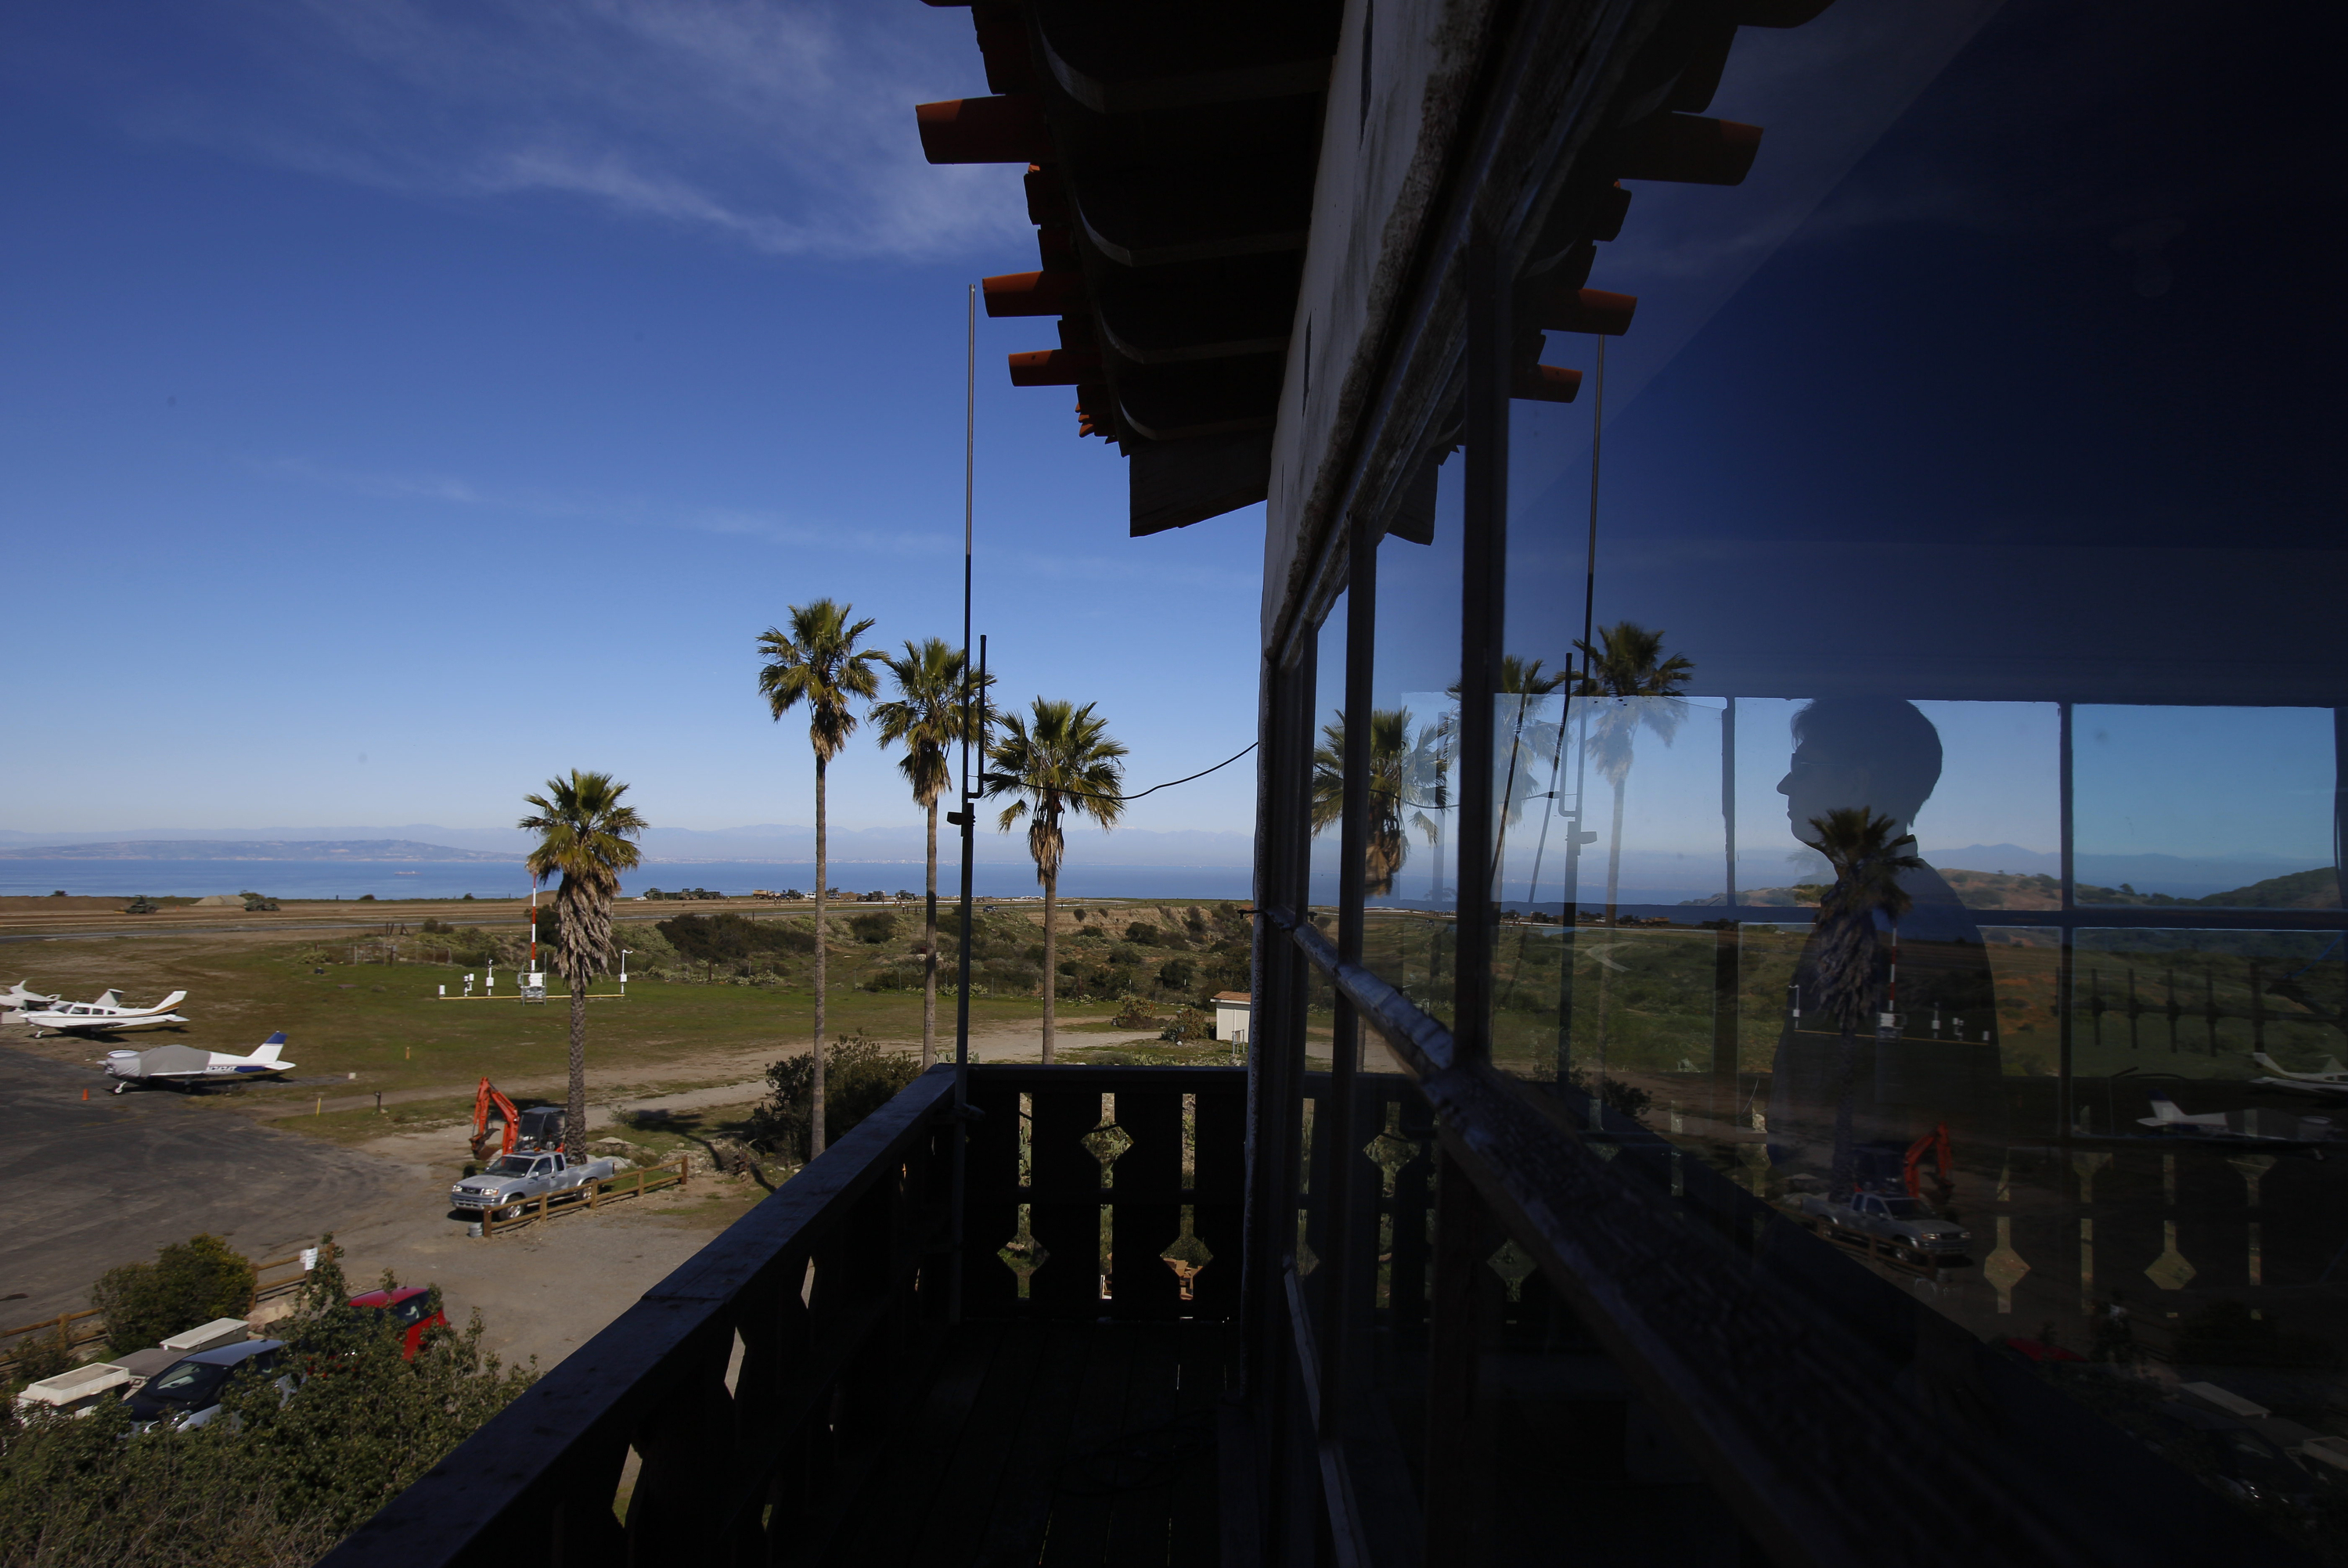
(1136, 1013)
(710, 941)
(43, 1356)
(190, 1283)
(876, 927)
(859, 1078)
(280, 1482)
(1176, 974)
(1143, 932)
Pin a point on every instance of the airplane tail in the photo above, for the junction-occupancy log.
(2332, 1068)
(110, 997)
(2269, 1062)
(2164, 1109)
(270, 1048)
(167, 1003)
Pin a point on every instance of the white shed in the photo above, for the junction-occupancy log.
(1232, 1010)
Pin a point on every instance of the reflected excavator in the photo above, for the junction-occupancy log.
(539, 1127)
(1880, 1163)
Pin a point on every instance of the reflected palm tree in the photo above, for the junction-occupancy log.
(1385, 846)
(1526, 731)
(1637, 689)
(1426, 775)
(1855, 915)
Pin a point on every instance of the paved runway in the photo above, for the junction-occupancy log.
(90, 1185)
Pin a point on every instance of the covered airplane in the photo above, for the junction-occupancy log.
(109, 1014)
(188, 1065)
(2329, 1079)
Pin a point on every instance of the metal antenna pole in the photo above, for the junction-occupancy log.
(1590, 575)
(967, 818)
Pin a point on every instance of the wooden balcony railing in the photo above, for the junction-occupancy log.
(751, 1382)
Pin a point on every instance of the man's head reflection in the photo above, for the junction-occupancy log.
(1878, 752)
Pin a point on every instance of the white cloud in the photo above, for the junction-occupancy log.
(786, 126)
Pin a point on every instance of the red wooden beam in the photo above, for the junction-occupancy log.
(1589, 310)
(1001, 129)
(1034, 294)
(1689, 150)
(1546, 384)
(1054, 367)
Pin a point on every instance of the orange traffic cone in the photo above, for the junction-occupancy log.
(85, 1095)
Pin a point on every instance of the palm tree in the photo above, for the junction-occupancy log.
(1387, 846)
(818, 662)
(1527, 735)
(583, 832)
(1641, 688)
(1059, 760)
(927, 717)
(1426, 774)
(1865, 900)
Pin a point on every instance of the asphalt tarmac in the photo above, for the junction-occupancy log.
(90, 1185)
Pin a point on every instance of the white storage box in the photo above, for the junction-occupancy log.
(77, 1390)
(210, 1335)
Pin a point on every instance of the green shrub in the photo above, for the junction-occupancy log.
(859, 1078)
(190, 1283)
(875, 927)
(1176, 974)
(1143, 932)
(43, 1356)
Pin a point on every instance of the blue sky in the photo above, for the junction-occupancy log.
(403, 402)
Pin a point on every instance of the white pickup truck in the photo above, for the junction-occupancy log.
(513, 1180)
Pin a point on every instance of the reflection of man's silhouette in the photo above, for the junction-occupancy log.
(1932, 1053)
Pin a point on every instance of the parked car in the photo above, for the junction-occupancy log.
(2234, 1457)
(187, 1394)
(411, 1307)
(513, 1180)
(1906, 1224)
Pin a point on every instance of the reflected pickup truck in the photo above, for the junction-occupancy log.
(1895, 1220)
(513, 1180)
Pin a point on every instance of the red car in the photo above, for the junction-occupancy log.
(411, 1307)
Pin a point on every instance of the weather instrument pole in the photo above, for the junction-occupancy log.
(966, 818)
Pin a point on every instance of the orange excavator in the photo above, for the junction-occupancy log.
(1944, 1157)
(539, 1127)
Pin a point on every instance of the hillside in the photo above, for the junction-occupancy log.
(2315, 889)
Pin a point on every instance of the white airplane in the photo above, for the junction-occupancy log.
(21, 998)
(107, 1015)
(188, 1065)
(2272, 1128)
(2329, 1079)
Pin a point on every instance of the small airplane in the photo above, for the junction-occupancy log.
(2329, 1079)
(2272, 1129)
(21, 998)
(109, 1014)
(188, 1065)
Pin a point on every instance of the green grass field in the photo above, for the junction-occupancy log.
(387, 1024)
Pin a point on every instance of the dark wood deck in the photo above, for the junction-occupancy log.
(1043, 1443)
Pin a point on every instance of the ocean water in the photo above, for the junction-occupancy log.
(499, 879)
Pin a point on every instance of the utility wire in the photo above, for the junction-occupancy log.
(986, 779)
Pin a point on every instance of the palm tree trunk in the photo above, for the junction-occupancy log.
(815, 1096)
(1051, 959)
(930, 962)
(1614, 852)
(575, 1109)
(1844, 1175)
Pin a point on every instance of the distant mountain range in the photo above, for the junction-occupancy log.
(787, 844)
(250, 849)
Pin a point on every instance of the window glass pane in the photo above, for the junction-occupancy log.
(2227, 807)
(1413, 886)
(1926, 434)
